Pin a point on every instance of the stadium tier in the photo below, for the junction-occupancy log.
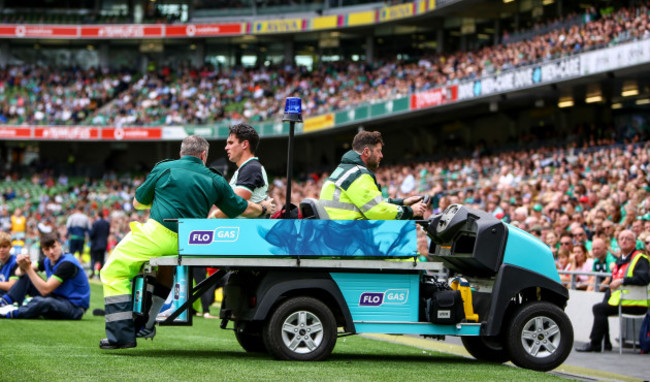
(511, 70)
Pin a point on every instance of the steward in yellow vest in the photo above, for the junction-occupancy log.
(633, 270)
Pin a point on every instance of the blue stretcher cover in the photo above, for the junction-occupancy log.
(284, 237)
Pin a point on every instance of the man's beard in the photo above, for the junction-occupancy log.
(373, 164)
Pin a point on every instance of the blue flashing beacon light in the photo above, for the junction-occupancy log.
(292, 110)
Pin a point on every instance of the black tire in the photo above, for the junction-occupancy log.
(249, 336)
(539, 336)
(487, 349)
(300, 329)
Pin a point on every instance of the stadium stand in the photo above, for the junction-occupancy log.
(186, 95)
(35, 95)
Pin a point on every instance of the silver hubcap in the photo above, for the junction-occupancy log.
(540, 337)
(302, 332)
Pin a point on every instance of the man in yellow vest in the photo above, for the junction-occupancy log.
(352, 193)
(632, 268)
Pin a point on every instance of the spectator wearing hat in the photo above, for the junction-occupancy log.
(536, 230)
(537, 212)
(585, 203)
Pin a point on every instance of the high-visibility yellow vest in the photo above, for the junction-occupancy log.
(352, 193)
(615, 298)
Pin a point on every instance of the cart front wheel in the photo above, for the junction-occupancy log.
(301, 329)
(539, 337)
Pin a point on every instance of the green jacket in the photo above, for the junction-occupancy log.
(185, 188)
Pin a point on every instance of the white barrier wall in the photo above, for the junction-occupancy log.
(582, 318)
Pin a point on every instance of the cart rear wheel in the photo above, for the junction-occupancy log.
(301, 329)
(539, 336)
(249, 336)
(487, 349)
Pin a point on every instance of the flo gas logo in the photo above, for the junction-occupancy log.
(371, 299)
(221, 234)
(389, 297)
(226, 234)
(201, 237)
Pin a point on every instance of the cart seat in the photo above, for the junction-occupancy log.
(312, 209)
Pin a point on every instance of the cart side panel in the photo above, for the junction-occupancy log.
(380, 297)
(284, 237)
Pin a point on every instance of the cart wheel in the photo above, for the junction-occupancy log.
(249, 336)
(539, 336)
(300, 329)
(487, 349)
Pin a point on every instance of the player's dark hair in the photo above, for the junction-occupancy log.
(246, 132)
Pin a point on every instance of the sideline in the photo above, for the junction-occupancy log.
(563, 370)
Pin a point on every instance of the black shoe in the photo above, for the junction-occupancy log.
(608, 346)
(588, 348)
(108, 345)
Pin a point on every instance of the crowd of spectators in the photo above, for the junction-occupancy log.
(40, 96)
(206, 95)
(575, 199)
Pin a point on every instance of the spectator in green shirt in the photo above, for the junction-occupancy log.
(603, 261)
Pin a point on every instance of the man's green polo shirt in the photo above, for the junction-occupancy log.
(185, 188)
(600, 266)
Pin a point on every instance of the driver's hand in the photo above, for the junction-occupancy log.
(412, 199)
(270, 206)
(418, 209)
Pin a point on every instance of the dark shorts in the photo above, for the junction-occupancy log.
(77, 246)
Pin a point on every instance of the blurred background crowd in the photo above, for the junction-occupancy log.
(569, 197)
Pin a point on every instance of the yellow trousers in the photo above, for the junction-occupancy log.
(145, 241)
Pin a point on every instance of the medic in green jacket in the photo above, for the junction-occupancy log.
(351, 192)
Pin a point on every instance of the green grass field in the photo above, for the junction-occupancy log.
(40, 350)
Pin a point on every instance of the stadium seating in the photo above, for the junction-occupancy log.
(174, 96)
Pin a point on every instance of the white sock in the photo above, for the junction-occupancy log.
(156, 304)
